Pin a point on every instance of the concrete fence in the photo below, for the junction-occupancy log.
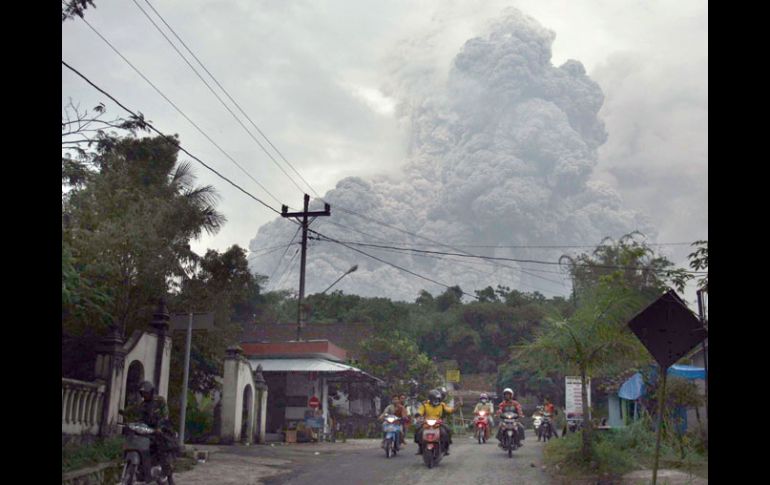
(81, 406)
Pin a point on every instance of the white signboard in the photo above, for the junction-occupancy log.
(574, 399)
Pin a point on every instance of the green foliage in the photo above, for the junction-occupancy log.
(397, 360)
(699, 261)
(621, 450)
(126, 229)
(199, 419)
(75, 456)
(73, 8)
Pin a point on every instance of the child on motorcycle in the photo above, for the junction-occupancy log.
(397, 409)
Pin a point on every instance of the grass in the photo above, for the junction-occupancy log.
(75, 456)
(619, 451)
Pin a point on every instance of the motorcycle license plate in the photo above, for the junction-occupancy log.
(510, 432)
(481, 425)
(430, 435)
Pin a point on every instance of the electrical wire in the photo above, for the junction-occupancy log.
(179, 110)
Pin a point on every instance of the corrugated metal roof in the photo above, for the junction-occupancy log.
(305, 365)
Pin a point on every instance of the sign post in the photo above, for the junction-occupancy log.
(453, 375)
(573, 397)
(668, 330)
(201, 321)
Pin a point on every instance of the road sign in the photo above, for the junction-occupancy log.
(573, 405)
(453, 375)
(668, 329)
(201, 321)
(314, 403)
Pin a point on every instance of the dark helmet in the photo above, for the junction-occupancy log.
(434, 397)
(146, 387)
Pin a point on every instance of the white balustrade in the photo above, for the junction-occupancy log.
(81, 402)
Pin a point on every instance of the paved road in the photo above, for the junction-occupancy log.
(469, 463)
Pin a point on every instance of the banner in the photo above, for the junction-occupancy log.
(453, 375)
(573, 405)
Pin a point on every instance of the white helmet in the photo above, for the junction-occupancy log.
(506, 390)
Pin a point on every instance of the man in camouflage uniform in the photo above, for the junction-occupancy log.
(153, 411)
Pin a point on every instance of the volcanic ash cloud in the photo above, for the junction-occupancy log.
(501, 152)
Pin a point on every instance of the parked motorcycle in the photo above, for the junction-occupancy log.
(510, 431)
(391, 441)
(481, 426)
(432, 451)
(139, 464)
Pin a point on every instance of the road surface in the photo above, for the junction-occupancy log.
(363, 462)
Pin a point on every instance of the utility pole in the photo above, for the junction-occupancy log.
(302, 218)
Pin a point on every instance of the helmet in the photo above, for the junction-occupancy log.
(146, 387)
(434, 396)
(507, 390)
(483, 397)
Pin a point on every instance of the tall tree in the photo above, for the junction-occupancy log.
(592, 341)
(127, 224)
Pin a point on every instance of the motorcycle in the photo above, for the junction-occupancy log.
(537, 420)
(510, 430)
(140, 465)
(481, 425)
(432, 448)
(545, 430)
(391, 428)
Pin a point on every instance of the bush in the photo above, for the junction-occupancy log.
(75, 456)
(621, 450)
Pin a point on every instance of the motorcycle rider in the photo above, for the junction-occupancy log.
(397, 409)
(509, 404)
(153, 411)
(485, 405)
(434, 408)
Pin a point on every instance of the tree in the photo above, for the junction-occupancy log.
(631, 260)
(397, 360)
(126, 226)
(220, 283)
(699, 261)
(75, 8)
(592, 341)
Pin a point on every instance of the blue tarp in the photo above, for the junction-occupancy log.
(633, 388)
(687, 371)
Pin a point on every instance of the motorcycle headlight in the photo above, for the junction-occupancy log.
(390, 420)
(482, 414)
(431, 422)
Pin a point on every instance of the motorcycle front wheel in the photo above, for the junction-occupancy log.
(129, 474)
(388, 448)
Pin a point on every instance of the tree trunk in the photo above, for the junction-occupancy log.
(587, 431)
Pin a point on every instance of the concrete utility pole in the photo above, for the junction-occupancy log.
(302, 218)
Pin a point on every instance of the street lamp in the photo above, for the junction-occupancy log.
(355, 267)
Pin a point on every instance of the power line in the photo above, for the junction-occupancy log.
(200, 130)
(494, 258)
(286, 270)
(171, 140)
(388, 263)
(208, 85)
(284, 253)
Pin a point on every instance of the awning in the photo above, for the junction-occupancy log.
(312, 365)
(687, 371)
(633, 388)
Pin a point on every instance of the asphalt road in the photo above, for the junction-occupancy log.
(469, 463)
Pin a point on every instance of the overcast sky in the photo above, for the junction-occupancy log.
(320, 78)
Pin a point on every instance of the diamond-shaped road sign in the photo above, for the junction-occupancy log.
(668, 329)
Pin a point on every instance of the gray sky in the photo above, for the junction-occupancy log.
(322, 80)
